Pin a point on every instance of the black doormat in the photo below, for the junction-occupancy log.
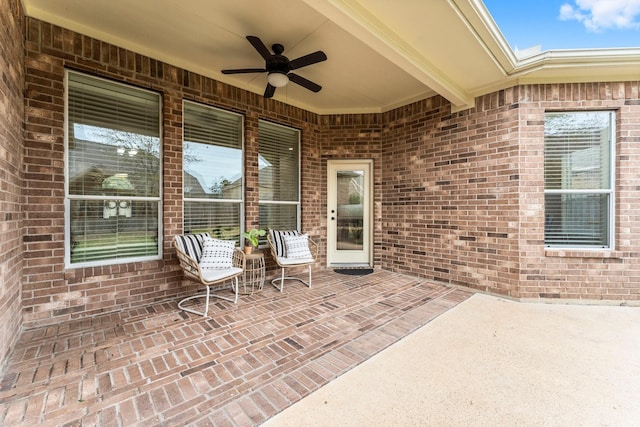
(354, 271)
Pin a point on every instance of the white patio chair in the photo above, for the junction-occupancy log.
(209, 262)
(290, 249)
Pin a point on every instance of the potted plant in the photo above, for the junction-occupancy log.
(251, 238)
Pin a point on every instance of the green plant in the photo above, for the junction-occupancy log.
(253, 235)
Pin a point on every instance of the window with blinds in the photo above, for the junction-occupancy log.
(578, 179)
(212, 171)
(279, 176)
(112, 172)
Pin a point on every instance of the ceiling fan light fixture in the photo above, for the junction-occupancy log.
(277, 79)
(278, 67)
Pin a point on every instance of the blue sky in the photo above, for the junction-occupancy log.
(567, 24)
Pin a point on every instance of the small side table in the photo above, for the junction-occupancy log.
(253, 276)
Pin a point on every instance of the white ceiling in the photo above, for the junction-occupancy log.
(381, 54)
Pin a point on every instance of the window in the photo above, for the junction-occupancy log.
(113, 177)
(578, 179)
(212, 171)
(279, 176)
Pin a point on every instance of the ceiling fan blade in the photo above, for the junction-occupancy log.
(304, 82)
(244, 70)
(269, 91)
(309, 59)
(259, 46)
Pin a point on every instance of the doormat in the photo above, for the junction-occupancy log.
(354, 271)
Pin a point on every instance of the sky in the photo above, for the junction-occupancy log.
(567, 24)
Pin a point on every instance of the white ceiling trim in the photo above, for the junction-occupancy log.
(480, 23)
(360, 23)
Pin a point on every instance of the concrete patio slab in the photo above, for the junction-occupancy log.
(490, 361)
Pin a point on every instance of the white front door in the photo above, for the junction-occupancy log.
(349, 211)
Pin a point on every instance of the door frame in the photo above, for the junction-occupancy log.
(368, 209)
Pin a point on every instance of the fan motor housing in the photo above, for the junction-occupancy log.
(278, 63)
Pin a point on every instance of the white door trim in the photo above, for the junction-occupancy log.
(341, 257)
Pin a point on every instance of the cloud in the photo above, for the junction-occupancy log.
(600, 15)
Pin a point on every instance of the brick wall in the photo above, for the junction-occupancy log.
(353, 136)
(52, 293)
(458, 196)
(450, 204)
(463, 195)
(11, 174)
(581, 275)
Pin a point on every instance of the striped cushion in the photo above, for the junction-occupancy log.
(277, 237)
(191, 244)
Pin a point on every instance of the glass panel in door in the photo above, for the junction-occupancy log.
(349, 215)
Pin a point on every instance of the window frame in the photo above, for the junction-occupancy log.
(610, 192)
(68, 198)
(298, 202)
(240, 201)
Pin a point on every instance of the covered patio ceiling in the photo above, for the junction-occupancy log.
(381, 54)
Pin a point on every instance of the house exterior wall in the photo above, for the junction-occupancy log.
(348, 137)
(463, 195)
(458, 196)
(450, 193)
(580, 275)
(11, 172)
(51, 293)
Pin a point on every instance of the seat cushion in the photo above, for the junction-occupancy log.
(217, 253)
(191, 244)
(295, 261)
(213, 274)
(277, 237)
(297, 247)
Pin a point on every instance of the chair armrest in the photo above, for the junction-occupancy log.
(189, 265)
(313, 247)
(239, 258)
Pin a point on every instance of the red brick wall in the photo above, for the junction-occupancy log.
(450, 185)
(52, 294)
(463, 195)
(458, 196)
(11, 173)
(580, 275)
(353, 136)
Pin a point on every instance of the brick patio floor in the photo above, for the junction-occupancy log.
(238, 367)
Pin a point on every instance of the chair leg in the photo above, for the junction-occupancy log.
(207, 296)
(235, 301)
(280, 280)
(206, 304)
(191, 310)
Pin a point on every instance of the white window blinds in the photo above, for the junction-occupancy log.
(279, 176)
(578, 179)
(212, 171)
(113, 172)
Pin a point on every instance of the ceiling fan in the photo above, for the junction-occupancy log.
(279, 67)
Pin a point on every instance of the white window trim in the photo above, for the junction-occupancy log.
(68, 197)
(298, 203)
(611, 191)
(241, 200)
